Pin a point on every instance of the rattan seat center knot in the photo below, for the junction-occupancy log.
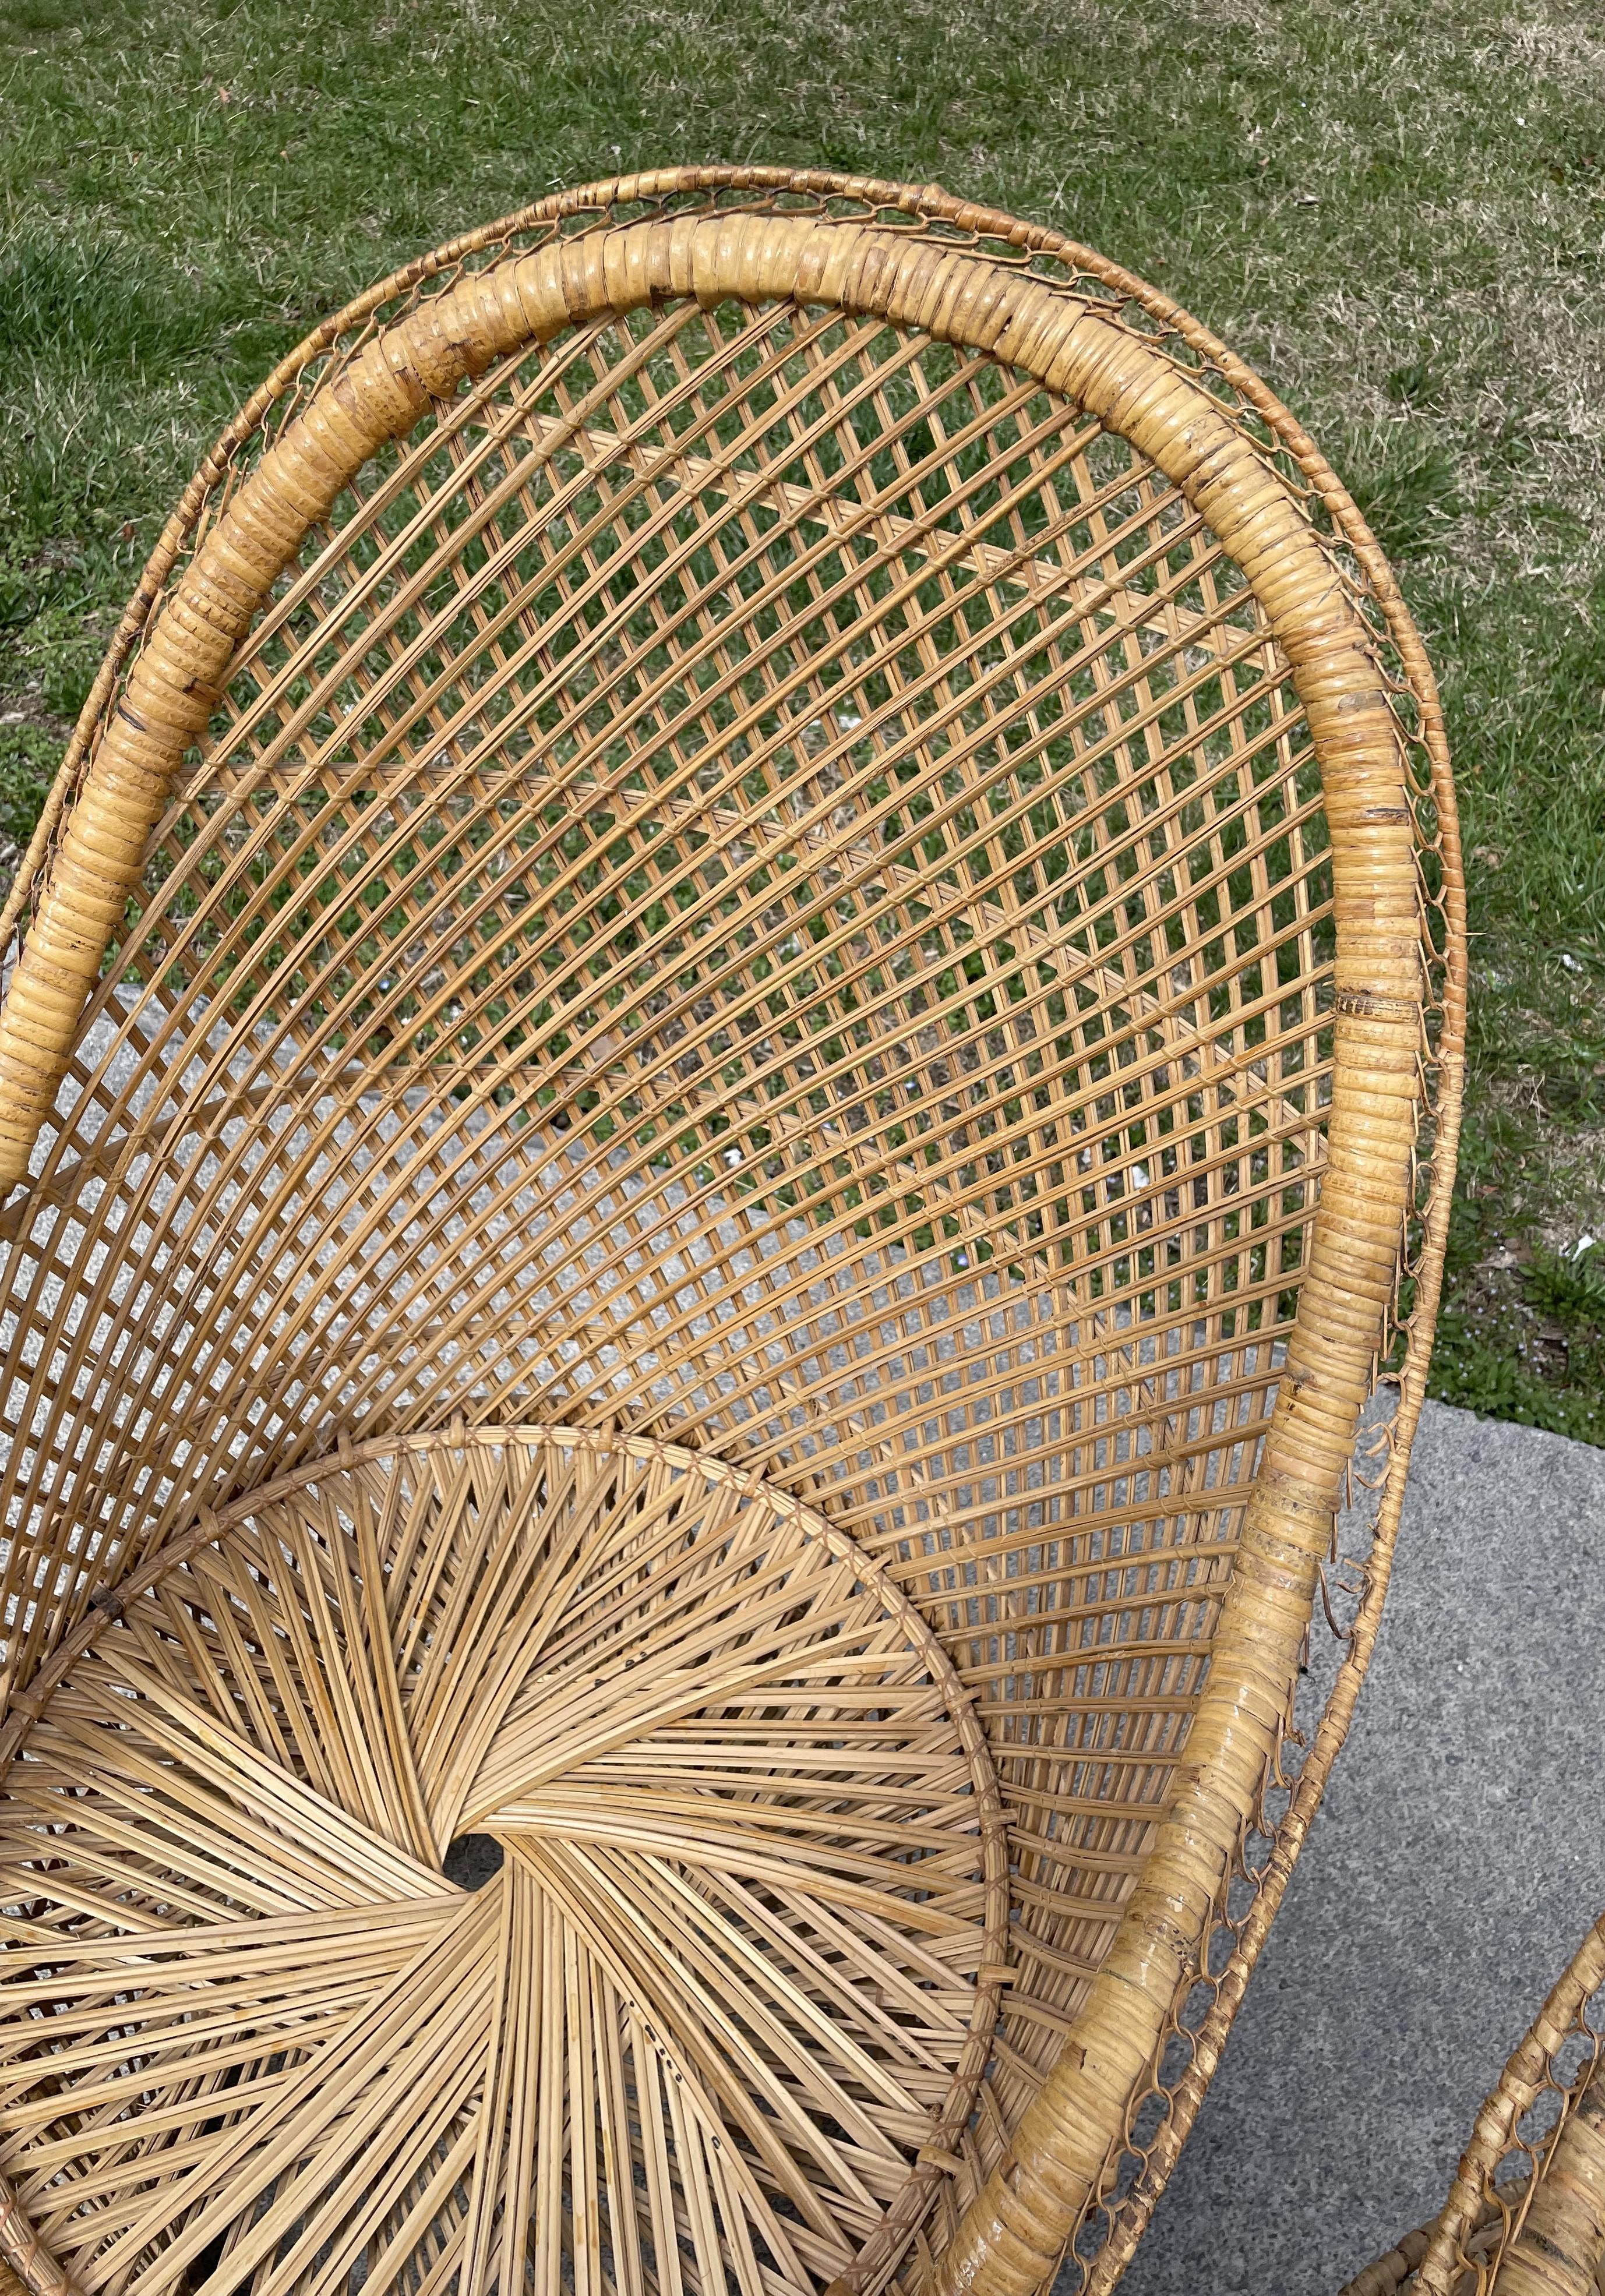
(738, 1970)
(776, 816)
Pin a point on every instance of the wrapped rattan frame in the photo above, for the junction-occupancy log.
(1044, 307)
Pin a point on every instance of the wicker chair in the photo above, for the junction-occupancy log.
(733, 1042)
(1525, 2214)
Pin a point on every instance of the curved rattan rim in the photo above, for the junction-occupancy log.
(1013, 2233)
(20, 2248)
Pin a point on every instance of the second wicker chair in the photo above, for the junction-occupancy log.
(1525, 2214)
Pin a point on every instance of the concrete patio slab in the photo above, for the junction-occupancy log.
(1458, 1860)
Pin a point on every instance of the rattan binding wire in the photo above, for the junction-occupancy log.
(780, 818)
(1526, 2214)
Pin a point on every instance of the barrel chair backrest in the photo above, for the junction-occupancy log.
(779, 835)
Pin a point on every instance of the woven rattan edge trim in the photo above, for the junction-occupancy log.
(1065, 2134)
(23, 2257)
(1393, 2271)
(1137, 2209)
(1390, 2272)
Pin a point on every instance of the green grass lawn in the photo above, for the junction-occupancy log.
(1396, 211)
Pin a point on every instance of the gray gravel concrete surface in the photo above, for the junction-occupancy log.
(1456, 1864)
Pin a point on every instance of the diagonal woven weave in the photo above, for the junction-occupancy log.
(732, 1048)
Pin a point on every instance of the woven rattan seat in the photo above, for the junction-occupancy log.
(1526, 2214)
(732, 1051)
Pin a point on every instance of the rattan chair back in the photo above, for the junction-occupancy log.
(733, 1043)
